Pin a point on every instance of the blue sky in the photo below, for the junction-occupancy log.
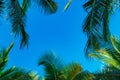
(60, 32)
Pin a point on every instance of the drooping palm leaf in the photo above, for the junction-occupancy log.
(52, 66)
(67, 5)
(49, 6)
(26, 5)
(97, 20)
(17, 17)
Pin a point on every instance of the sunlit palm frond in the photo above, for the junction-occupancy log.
(4, 56)
(52, 66)
(18, 74)
(17, 17)
(49, 6)
(116, 43)
(106, 57)
(26, 5)
(72, 70)
(67, 5)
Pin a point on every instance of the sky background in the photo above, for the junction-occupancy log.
(60, 32)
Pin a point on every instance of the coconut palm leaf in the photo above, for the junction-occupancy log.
(107, 56)
(49, 6)
(52, 66)
(97, 20)
(17, 17)
(26, 5)
(4, 56)
(74, 71)
(18, 74)
(13, 73)
(107, 73)
(55, 71)
(67, 5)
(116, 43)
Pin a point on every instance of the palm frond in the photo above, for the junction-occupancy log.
(26, 5)
(4, 56)
(67, 5)
(107, 73)
(84, 75)
(93, 43)
(97, 20)
(116, 44)
(72, 70)
(17, 18)
(49, 6)
(106, 58)
(17, 74)
(52, 66)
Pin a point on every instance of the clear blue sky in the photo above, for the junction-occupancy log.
(60, 32)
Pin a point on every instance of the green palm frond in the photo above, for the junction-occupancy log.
(8, 71)
(26, 5)
(107, 73)
(107, 57)
(72, 70)
(116, 44)
(49, 6)
(97, 20)
(67, 5)
(92, 43)
(18, 74)
(17, 17)
(4, 56)
(52, 66)
(84, 75)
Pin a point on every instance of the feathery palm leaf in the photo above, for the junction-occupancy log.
(26, 5)
(49, 6)
(55, 71)
(52, 66)
(108, 56)
(97, 20)
(17, 74)
(17, 17)
(107, 73)
(74, 72)
(4, 57)
(13, 73)
(116, 44)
